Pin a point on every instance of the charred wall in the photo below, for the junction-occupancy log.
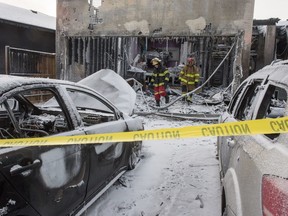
(269, 42)
(143, 18)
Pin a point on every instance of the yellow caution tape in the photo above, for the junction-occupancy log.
(261, 126)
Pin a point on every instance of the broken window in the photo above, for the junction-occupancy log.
(92, 110)
(246, 106)
(236, 98)
(273, 105)
(8, 110)
(24, 115)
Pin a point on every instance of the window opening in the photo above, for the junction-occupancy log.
(24, 115)
(246, 108)
(273, 105)
(92, 110)
(235, 98)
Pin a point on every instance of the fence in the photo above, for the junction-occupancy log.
(30, 63)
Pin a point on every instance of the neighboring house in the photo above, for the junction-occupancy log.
(282, 39)
(32, 37)
(269, 42)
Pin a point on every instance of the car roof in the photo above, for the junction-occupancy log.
(8, 82)
(277, 72)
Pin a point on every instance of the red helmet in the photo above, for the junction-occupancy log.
(190, 60)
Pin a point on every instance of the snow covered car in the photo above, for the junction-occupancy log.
(254, 169)
(62, 179)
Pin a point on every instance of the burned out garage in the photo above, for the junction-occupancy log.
(92, 35)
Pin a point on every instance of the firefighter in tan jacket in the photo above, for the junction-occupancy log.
(189, 77)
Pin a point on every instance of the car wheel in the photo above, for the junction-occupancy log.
(224, 213)
(134, 157)
(223, 204)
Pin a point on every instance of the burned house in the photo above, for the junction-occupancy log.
(27, 42)
(269, 42)
(282, 40)
(94, 34)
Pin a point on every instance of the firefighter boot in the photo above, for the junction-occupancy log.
(158, 103)
(189, 99)
(167, 99)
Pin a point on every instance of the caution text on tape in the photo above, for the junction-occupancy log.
(252, 127)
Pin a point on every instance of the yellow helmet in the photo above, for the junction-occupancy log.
(155, 61)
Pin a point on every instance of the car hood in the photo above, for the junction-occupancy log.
(114, 88)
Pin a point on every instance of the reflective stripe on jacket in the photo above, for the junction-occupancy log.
(160, 76)
(189, 75)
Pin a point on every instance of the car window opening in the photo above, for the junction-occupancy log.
(273, 105)
(91, 110)
(235, 99)
(245, 109)
(28, 118)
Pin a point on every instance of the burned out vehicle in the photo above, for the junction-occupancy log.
(60, 179)
(254, 168)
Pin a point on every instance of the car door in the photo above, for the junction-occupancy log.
(241, 108)
(52, 179)
(99, 116)
(225, 144)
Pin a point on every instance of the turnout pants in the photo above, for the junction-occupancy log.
(159, 91)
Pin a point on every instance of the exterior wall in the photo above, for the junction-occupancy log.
(270, 42)
(153, 19)
(25, 38)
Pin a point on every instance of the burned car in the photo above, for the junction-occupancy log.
(254, 168)
(60, 179)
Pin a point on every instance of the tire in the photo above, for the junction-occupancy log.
(223, 204)
(225, 212)
(135, 155)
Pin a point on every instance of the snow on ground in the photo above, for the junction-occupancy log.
(171, 174)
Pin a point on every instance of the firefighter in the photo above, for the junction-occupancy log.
(159, 80)
(189, 77)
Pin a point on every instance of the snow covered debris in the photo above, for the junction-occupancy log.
(114, 88)
(171, 173)
(167, 180)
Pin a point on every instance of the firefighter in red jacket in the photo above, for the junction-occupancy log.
(159, 79)
(189, 77)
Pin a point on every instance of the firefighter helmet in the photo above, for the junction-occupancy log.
(155, 61)
(190, 60)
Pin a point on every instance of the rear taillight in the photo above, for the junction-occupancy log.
(274, 195)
